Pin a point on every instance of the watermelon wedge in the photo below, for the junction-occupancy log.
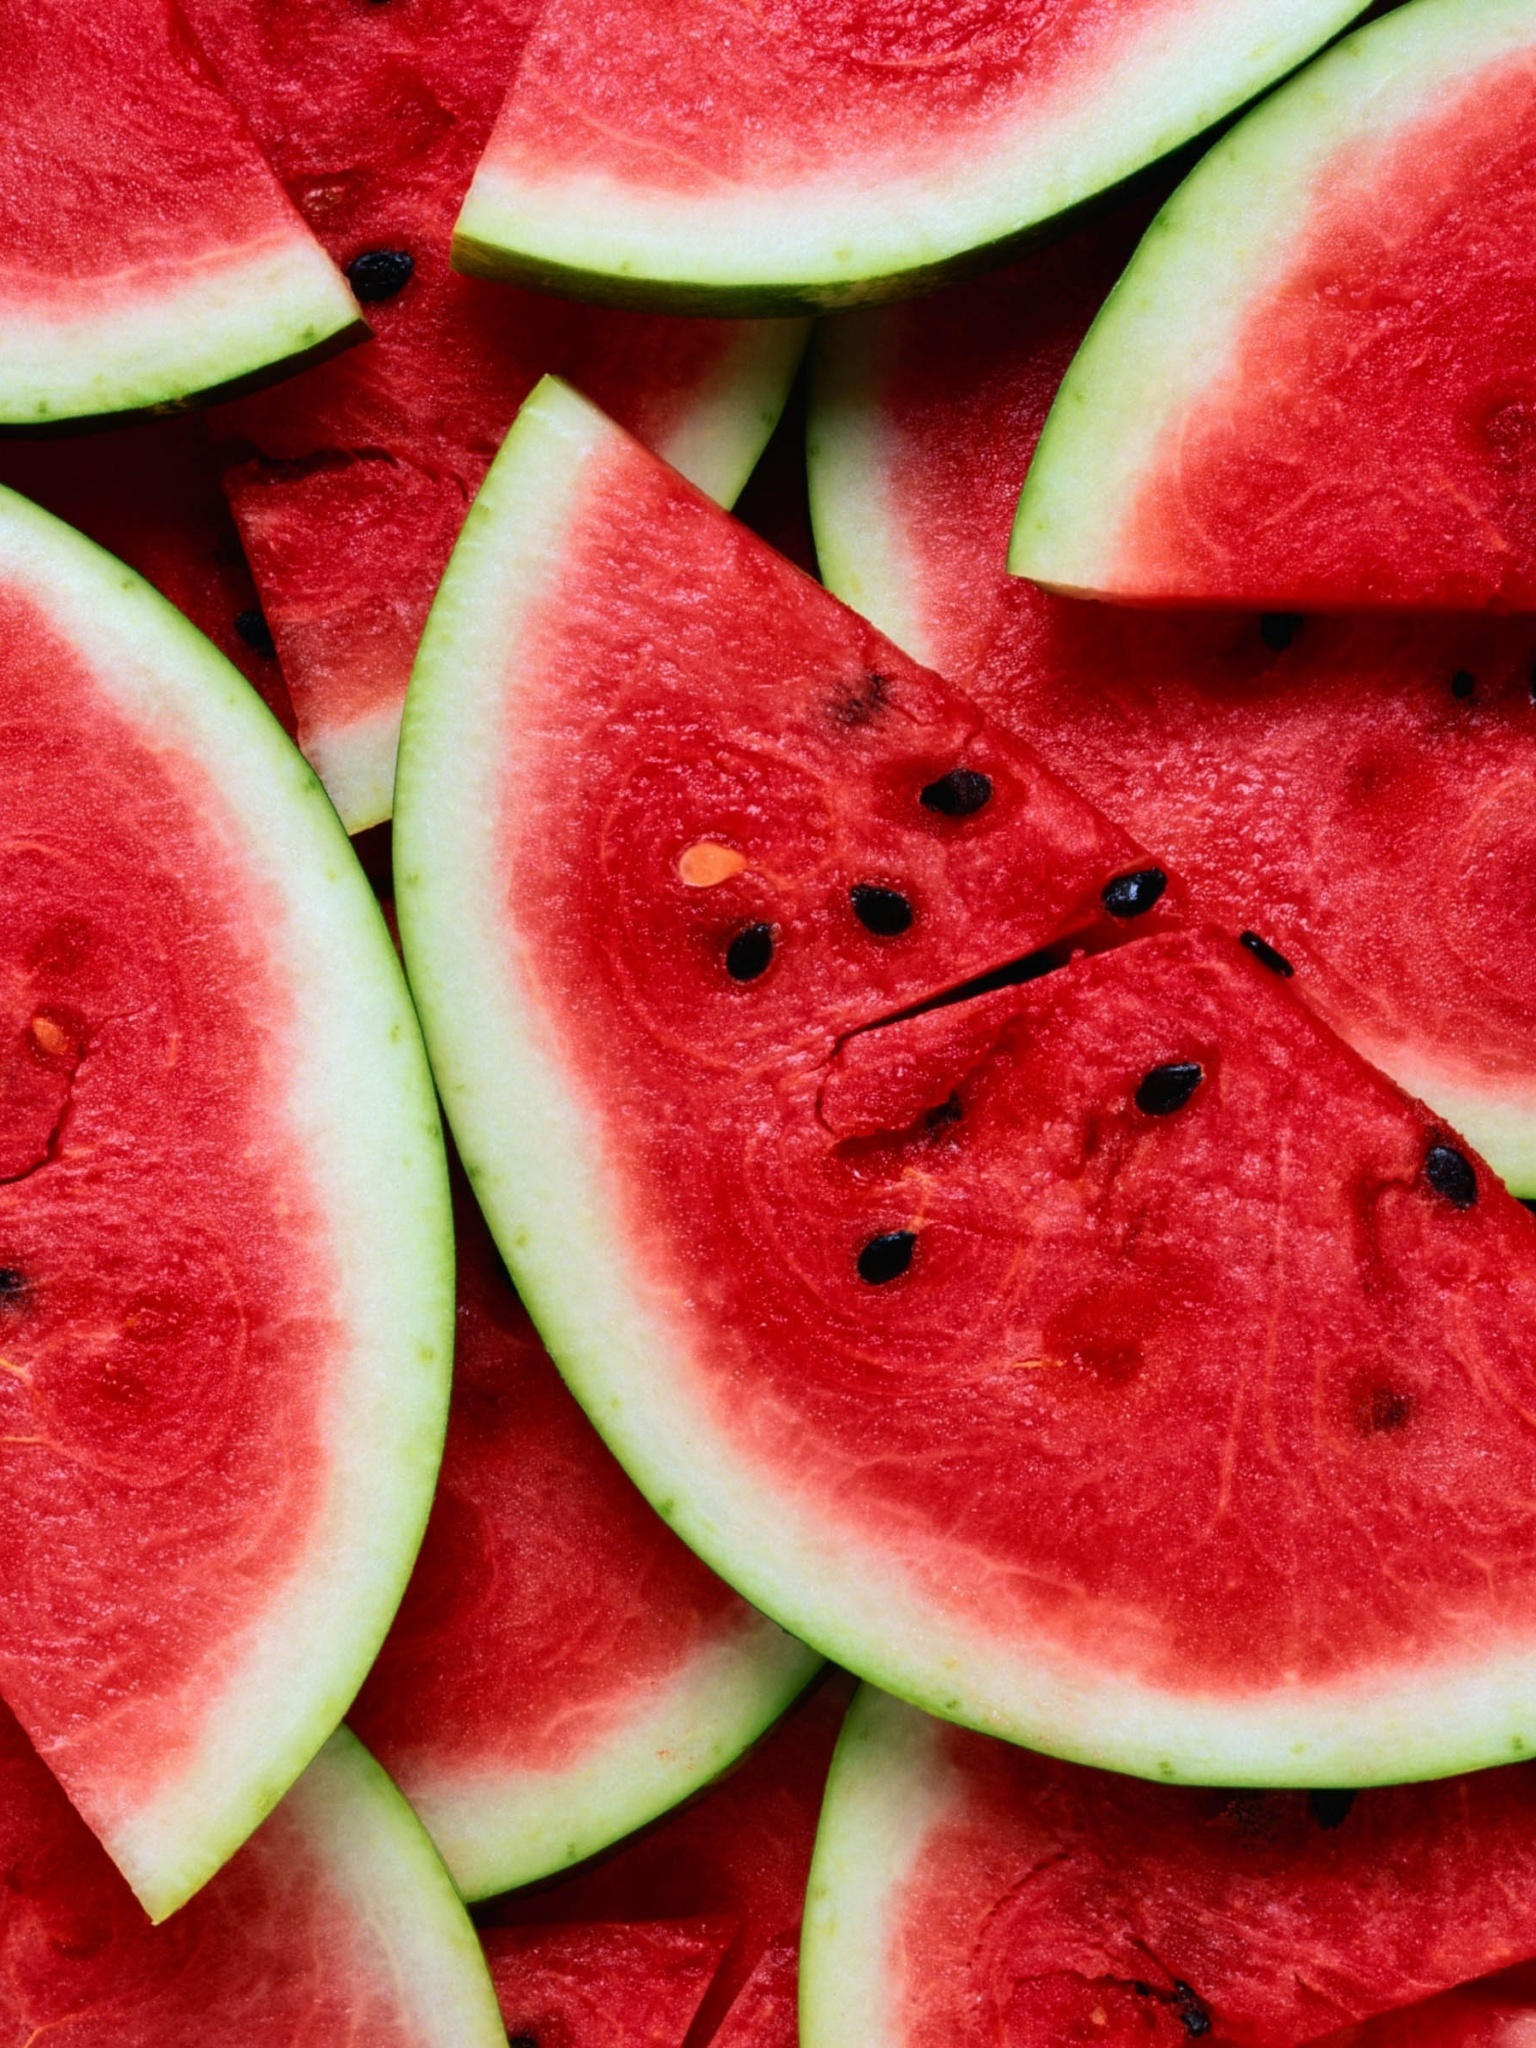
(562, 1669)
(1351, 791)
(334, 1923)
(151, 257)
(604, 1986)
(224, 1231)
(966, 1891)
(718, 157)
(734, 935)
(350, 489)
(1311, 388)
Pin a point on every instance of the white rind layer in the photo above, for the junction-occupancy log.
(839, 237)
(122, 345)
(413, 1930)
(361, 1109)
(497, 1829)
(1169, 331)
(536, 1154)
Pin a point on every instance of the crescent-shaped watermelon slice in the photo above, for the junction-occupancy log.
(728, 157)
(225, 1265)
(562, 1669)
(966, 1892)
(1312, 387)
(150, 256)
(1107, 1356)
(335, 1923)
(1354, 792)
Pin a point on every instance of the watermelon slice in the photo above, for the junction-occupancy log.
(1311, 388)
(715, 156)
(860, 1233)
(1351, 791)
(334, 1923)
(224, 1235)
(356, 480)
(150, 255)
(611, 1985)
(966, 1891)
(561, 1669)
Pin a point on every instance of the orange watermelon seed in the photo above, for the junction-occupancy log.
(707, 863)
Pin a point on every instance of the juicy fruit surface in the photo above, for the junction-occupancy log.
(604, 1986)
(1495, 2012)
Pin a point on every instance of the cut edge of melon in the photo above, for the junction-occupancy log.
(830, 242)
(232, 323)
(1168, 330)
(497, 1830)
(359, 1053)
(534, 1154)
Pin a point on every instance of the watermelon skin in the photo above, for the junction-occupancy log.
(605, 1986)
(152, 257)
(1332, 793)
(965, 1892)
(335, 1920)
(806, 155)
(562, 1669)
(1308, 391)
(353, 485)
(225, 1228)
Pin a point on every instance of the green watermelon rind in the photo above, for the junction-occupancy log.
(534, 1153)
(202, 338)
(363, 1100)
(1167, 331)
(375, 1850)
(823, 244)
(499, 1829)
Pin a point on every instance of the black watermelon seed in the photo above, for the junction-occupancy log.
(12, 1282)
(959, 794)
(380, 274)
(1330, 1809)
(1450, 1173)
(1265, 954)
(748, 954)
(1132, 895)
(1278, 629)
(256, 633)
(1168, 1088)
(1191, 2009)
(1463, 683)
(886, 912)
(886, 1257)
(513, 2040)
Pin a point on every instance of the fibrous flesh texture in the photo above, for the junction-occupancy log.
(357, 479)
(874, 1292)
(966, 1892)
(607, 1985)
(224, 1306)
(149, 253)
(562, 1668)
(1352, 790)
(1310, 388)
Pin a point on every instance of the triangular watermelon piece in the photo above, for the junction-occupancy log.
(225, 1266)
(151, 257)
(334, 1923)
(1311, 388)
(965, 1890)
(716, 156)
(608, 1985)
(355, 484)
(889, 1179)
(764, 2013)
(562, 1669)
(1350, 792)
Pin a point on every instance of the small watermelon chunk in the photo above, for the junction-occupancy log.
(605, 1986)
(713, 156)
(226, 1305)
(967, 1891)
(335, 1923)
(562, 1669)
(151, 257)
(1311, 388)
(764, 2013)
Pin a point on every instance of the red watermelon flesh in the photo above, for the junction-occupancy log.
(360, 476)
(561, 1668)
(612, 1985)
(1495, 2012)
(966, 1892)
(1351, 790)
(764, 2012)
